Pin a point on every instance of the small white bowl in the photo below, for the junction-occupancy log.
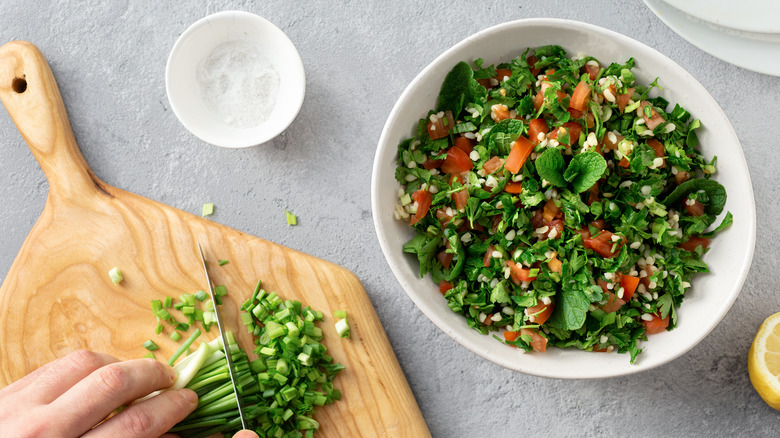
(730, 254)
(195, 45)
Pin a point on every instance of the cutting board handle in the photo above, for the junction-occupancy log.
(31, 97)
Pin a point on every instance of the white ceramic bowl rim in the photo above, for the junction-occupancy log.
(569, 363)
(197, 41)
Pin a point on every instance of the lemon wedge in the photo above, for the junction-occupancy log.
(764, 361)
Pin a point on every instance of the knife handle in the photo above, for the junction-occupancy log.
(32, 98)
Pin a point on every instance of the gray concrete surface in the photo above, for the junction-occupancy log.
(109, 61)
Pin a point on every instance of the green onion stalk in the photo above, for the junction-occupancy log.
(280, 390)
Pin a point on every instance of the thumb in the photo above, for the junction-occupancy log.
(246, 434)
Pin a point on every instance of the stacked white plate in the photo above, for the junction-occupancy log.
(745, 33)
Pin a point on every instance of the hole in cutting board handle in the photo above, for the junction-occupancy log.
(19, 85)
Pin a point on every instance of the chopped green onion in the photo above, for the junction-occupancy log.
(208, 209)
(201, 295)
(150, 345)
(168, 302)
(340, 313)
(175, 336)
(291, 219)
(116, 275)
(149, 355)
(223, 262)
(342, 328)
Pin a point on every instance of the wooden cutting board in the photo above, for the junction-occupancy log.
(58, 297)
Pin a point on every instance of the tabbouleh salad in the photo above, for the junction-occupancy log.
(557, 203)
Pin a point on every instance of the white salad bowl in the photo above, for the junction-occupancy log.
(195, 45)
(731, 251)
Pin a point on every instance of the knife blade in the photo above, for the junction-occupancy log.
(221, 325)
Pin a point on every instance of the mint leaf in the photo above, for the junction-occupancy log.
(550, 167)
(458, 88)
(715, 192)
(572, 171)
(571, 311)
(590, 168)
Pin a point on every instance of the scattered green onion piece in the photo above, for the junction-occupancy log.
(158, 329)
(342, 328)
(291, 218)
(149, 355)
(168, 302)
(175, 336)
(150, 345)
(156, 306)
(201, 295)
(188, 310)
(116, 275)
(208, 209)
(340, 313)
(223, 262)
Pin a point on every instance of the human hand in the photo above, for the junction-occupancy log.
(69, 396)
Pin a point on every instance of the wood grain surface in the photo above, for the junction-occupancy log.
(57, 296)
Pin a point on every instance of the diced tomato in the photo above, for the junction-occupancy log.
(658, 148)
(460, 198)
(502, 74)
(464, 144)
(538, 342)
(441, 127)
(443, 217)
(608, 143)
(622, 100)
(520, 152)
(573, 129)
(535, 127)
(432, 164)
(629, 284)
(537, 220)
(681, 177)
(518, 274)
(624, 163)
(696, 209)
(613, 303)
(445, 258)
(532, 60)
(555, 265)
(593, 194)
(511, 336)
(538, 100)
(556, 226)
(444, 286)
(580, 97)
(513, 187)
(576, 114)
(457, 161)
(654, 120)
(692, 243)
(540, 313)
(584, 232)
(499, 112)
(603, 244)
(599, 224)
(645, 281)
(488, 319)
(656, 325)
(592, 70)
(495, 221)
(550, 210)
(423, 200)
(493, 164)
(488, 256)
(590, 121)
